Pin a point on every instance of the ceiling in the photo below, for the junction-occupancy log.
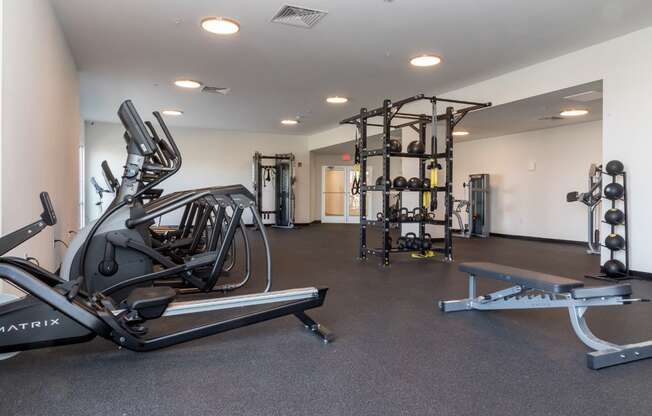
(515, 117)
(527, 114)
(135, 49)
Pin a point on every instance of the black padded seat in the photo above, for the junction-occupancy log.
(522, 277)
(624, 290)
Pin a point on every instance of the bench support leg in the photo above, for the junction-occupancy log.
(517, 297)
(607, 354)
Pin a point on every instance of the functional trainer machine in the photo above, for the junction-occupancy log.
(592, 198)
(475, 207)
(282, 173)
(393, 118)
(478, 188)
(533, 290)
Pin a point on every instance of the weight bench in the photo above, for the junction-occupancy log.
(533, 290)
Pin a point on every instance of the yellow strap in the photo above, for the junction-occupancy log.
(426, 200)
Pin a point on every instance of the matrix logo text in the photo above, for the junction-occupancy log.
(23, 326)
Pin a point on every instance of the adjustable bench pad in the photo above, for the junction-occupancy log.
(522, 277)
(624, 290)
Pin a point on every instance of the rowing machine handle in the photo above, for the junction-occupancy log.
(48, 216)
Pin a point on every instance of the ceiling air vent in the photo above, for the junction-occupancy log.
(298, 16)
(216, 90)
(551, 118)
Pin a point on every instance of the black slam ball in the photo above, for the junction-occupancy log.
(614, 216)
(614, 242)
(613, 191)
(615, 167)
(614, 268)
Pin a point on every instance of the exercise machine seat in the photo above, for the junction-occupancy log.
(150, 302)
(521, 277)
(624, 290)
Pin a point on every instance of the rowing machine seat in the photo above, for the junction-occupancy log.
(624, 290)
(150, 302)
(521, 277)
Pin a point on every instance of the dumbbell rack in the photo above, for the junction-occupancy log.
(393, 118)
(612, 256)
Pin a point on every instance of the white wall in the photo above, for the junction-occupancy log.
(624, 64)
(210, 158)
(533, 203)
(40, 125)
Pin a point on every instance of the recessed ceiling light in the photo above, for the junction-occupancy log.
(220, 25)
(425, 60)
(187, 83)
(337, 100)
(574, 113)
(172, 112)
(461, 133)
(290, 122)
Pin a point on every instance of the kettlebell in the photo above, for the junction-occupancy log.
(426, 243)
(410, 240)
(418, 214)
(404, 215)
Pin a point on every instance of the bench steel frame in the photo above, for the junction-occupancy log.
(606, 354)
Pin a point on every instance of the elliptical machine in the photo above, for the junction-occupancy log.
(56, 311)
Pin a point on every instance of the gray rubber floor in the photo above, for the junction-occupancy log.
(395, 353)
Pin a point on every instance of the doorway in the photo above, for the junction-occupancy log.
(338, 204)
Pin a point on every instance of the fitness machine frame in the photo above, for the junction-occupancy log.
(393, 118)
(283, 169)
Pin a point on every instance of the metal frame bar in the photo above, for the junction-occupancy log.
(298, 307)
(390, 111)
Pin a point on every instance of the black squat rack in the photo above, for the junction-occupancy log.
(393, 118)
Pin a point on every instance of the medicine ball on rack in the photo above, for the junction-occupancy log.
(614, 268)
(426, 183)
(615, 167)
(614, 242)
(613, 191)
(395, 145)
(614, 216)
(400, 182)
(414, 183)
(416, 148)
(380, 181)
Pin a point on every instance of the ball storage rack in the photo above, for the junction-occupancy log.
(621, 204)
(391, 118)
